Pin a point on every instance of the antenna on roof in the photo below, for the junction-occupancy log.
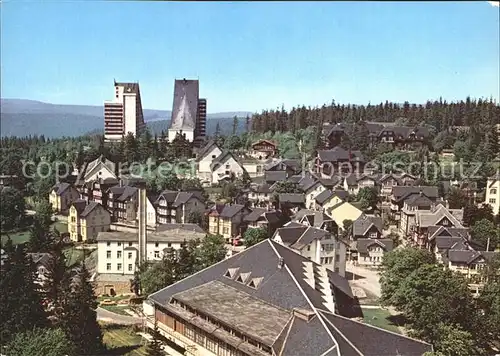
(281, 262)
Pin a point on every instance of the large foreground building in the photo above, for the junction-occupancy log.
(124, 113)
(268, 300)
(189, 112)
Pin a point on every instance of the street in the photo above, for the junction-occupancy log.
(109, 317)
(365, 278)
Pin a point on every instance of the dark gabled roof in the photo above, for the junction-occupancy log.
(294, 198)
(261, 188)
(231, 210)
(324, 196)
(128, 193)
(418, 200)
(356, 338)
(89, 208)
(309, 235)
(206, 150)
(275, 176)
(255, 214)
(361, 225)
(404, 192)
(308, 181)
(447, 242)
(294, 179)
(339, 154)
(331, 182)
(61, 188)
(290, 234)
(225, 155)
(363, 244)
(175, 226)
(469, 256)
(79, 205)
(282, 165)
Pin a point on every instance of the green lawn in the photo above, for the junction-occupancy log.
(73, 256)
(122, 340)
(116, 309)
(379, 318)
(24, 235)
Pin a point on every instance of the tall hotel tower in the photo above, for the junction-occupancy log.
(189, 112)
(123, 114)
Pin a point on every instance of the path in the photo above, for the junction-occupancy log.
(110, 317)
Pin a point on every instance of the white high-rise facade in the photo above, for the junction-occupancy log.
(124, 113)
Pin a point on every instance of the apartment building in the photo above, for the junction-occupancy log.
(101, 170)
(288, 305)
(176, 207)
(493, 193)
(388, 181)
(264, 149)
(117, 252)
(260, 195)
(62, 196)
(189, 112)
(318, 245)
(227, 220)
(402, 193)
(330, 162)
(427, 221)
(123, 114)
(86, 220)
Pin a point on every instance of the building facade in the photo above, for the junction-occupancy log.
(123, 114)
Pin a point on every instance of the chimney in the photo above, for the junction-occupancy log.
(142, 230)
(281, 263)
(350, 155)
(303, 314)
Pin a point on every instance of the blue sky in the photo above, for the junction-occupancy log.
(250, 56)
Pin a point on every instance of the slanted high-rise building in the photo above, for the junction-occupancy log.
(123, 114)
(189, 112)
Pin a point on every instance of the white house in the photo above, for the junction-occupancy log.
(117, 251)
(205, 158)
(224, 166)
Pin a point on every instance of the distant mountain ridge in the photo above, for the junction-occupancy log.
(22, 117)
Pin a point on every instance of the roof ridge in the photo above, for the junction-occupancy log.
(340, 333)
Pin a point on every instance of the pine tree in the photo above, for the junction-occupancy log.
(154, 346)
(80, 321)
(20, 303)
(55, 283)
(235, 125)
(185, 262)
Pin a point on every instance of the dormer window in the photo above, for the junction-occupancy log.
(231, 273)
(255, 282)
(243, 277)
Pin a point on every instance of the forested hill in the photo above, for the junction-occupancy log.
(440, 114)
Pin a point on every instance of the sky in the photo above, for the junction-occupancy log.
(250, 56)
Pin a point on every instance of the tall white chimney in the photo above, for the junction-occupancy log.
(142, 231)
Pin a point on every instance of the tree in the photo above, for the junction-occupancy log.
(368, 196)
(393, 162)
(286, 187)
(485, 232)
(40, 342)
(195, 217)
(39, 237)
(13, 208)
(473, 213)
(130, 148)
(229, 191)
(186, 263)
(43, 213)
(154, 346)
(396, 266)
(430, 295)
(457, 198)
(20, 303)
(80, 321)
(211, 250)
(254, 236)
(56, 282)
(167, 181)
(489, 302)
(452, 340)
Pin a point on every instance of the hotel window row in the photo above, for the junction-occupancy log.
(119, 267)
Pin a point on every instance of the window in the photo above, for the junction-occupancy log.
(119, 244)
(118, 254)
(493, 191)
(214, 156)
(130, 267)
(169, 245)
(373, 235)
(108, 266)
(157, 254)
(119, 266)
(108, 254)
(225, 230)
(108, 244)
(189, 333)
(130, 243)
(492, 201)
(129, 255)
(211, 345)
(157, 244)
